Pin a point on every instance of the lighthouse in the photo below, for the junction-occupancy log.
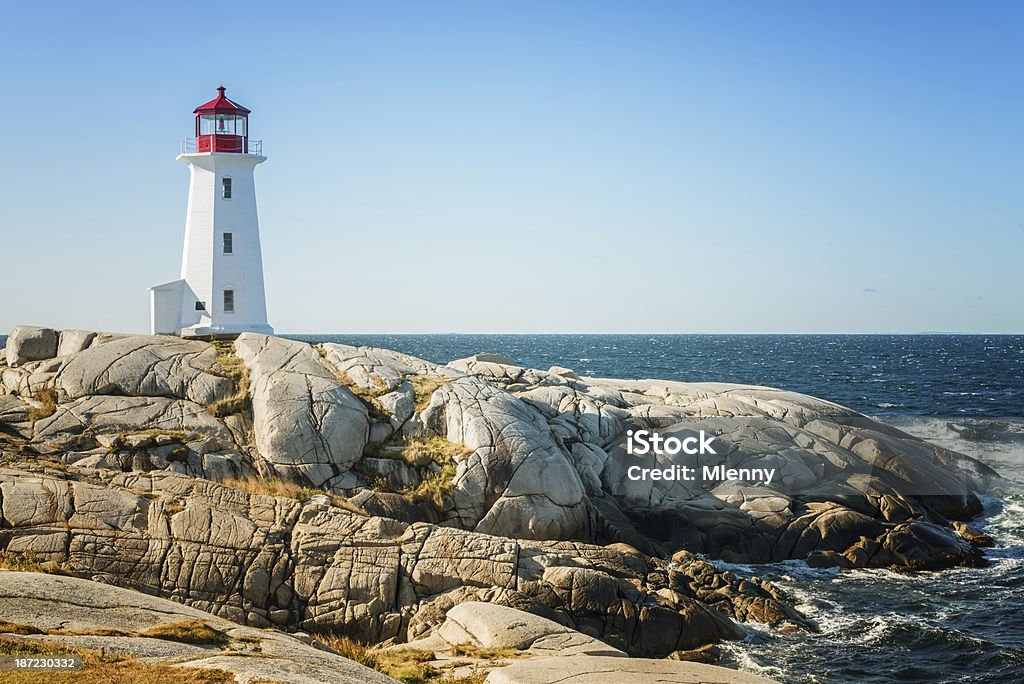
(220, 291)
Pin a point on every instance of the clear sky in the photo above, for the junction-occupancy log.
(531, 166)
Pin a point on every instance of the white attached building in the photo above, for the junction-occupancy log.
(221, 286)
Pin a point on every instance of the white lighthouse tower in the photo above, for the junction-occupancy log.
(221, 286)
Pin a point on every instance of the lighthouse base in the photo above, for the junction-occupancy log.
(224, 330)
(174, 311)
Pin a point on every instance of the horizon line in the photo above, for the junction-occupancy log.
(594, 334)
(662, 334)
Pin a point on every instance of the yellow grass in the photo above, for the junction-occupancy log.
(100, 631)
(351, 649)
(470, 651)
(289, 490)
(423, 388)
(366, 395)
(421, 452)
(434, 489)
(230, 366)
(48, 399)
(28, 562)
(17, 628)
(102, 669)
(188, 632)
(409, 666)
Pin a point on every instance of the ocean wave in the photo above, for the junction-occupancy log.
(997, 442)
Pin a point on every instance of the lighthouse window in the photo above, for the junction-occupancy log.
(229, 246)
(229, 301)
(225, 188)
(207, 124)
(225, 124)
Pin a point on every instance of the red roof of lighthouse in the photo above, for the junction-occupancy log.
(220, 104)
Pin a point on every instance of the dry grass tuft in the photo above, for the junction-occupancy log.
(434, 490)
(422, 452)
(103, 669)
(174, 506)
(289, 490)
(423, 388)
(188, 632)
(476, 652)
(17, 628)
(230, 366)
(48, 400)
(367, 396)
(101, 631)
(409, 666)
(351, 649)
(28, 562)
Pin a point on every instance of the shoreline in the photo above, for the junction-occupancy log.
(382, 411)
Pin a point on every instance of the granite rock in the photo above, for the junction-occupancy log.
(588, 669)
(308, 426)
(30, 343)
(80, 613)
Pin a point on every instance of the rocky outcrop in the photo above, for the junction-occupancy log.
(142, 434)
(587, 669)
(308, 425)
(30, 343)
(267, 561)
(61, 612)
(486, 482)
(517, 481)
(144, 367)
(493, 626)
(543, 454)
(524, 647)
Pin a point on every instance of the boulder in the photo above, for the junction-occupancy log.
(79, 424)
(13, 409)
(30, 343)
(145, 366)
(588, 669)
(74, 341)
(377, 370)
(564, 372)
(308, 425)
(517, 482)
(972, 534)
(493, 358)
(67, 611)
(489, 625)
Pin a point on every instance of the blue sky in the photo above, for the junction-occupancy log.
(532, 166)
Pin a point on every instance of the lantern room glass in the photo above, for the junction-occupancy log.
(222, 124)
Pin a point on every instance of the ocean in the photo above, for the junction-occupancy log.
(965, 392)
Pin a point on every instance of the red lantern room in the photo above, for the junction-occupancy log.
(222, 126)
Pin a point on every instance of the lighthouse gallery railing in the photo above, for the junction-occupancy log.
(191, 146)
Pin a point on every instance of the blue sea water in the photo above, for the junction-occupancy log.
(980, 375)
(965, 392)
